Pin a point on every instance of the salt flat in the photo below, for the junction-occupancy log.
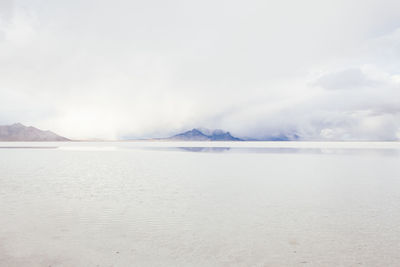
(200, 204)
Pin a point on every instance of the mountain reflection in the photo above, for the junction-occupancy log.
(205, 149)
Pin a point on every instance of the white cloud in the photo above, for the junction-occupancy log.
(352, 78)
(319, 69)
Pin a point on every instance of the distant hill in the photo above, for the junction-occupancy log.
(20, 132)
(199, 135)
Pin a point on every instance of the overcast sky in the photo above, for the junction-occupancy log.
(114, 69)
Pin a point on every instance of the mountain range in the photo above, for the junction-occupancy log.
(204, 135)
(20, 132)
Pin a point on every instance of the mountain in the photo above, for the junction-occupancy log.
(20, 132)
(281, 137)
(199, 135)
(219, 135)
(192, 135)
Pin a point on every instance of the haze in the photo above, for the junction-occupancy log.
(319, 70)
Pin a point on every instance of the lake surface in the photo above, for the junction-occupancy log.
(200, 204)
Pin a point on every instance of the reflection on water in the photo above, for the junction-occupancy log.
(156, 204)
(209, 149)
(28, 147)
(284, 150)
(204, 149)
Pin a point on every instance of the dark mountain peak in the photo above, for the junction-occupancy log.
(204, 135)
(223, 136)
(192, 135)
(195, 132)
(20, 132)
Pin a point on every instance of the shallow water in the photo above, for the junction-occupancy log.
(200, 204)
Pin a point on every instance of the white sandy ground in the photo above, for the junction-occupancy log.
(153, 207)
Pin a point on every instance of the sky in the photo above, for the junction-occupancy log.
(96, 69)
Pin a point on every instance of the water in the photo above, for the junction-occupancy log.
(200, 204)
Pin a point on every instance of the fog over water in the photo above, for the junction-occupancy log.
(199, 204)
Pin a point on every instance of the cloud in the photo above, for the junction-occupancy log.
(352, 78)
(148, 69)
